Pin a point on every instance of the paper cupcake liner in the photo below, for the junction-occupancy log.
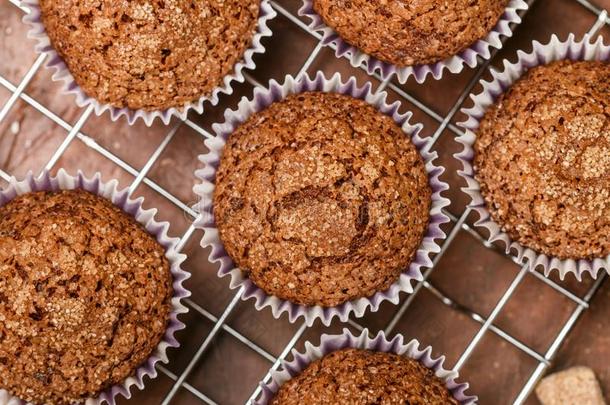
(262, 99)
(453, 64)
(61, 72)
(120, 198)
(332, 343)
(540, 55)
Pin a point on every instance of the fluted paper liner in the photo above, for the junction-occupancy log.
(133, 208)
(380, 343)
(541, 54)
(454, 64)
(61, 72)
(262, 99)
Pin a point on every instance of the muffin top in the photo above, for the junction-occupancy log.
(85, 296)
(406, 33)
(150, 55)
(353, 376)
(321, 199)
(542, 158)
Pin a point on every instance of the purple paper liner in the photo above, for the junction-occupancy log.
(120, 198)
(540, 55)
(263, 98)
(331, 343)
(454, 64)
(61, 72)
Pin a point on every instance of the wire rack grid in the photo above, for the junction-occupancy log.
(459, 222)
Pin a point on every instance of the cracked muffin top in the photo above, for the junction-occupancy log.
(85, 296)
(321, 199)
(150, 54)
(542, 158)
(412, 32)
(354, 376)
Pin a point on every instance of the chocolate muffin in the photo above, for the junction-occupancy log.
(413, 32)
(542, 158)
(321, 199)
(353, 376)
(85, 296)
(150, 55)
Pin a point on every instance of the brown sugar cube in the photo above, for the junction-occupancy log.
(575, 386)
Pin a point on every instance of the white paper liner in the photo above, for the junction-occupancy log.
(262, 99)
(454, 64)
(540, 55)
(61, 72)
(331, 343)
(120, 198)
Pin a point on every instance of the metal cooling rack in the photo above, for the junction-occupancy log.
(459, 223)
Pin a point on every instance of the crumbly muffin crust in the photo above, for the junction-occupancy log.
(413, 32)
(321, 199)
(150, 54)
(353, 376)
(85, 296)
(542, 157)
